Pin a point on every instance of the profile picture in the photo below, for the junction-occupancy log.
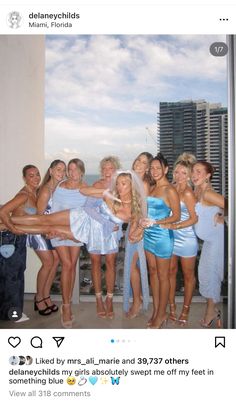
(21, 360)
(28, 360)
(14, 19)
(14, 360)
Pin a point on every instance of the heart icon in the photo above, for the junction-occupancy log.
(93, 380)
(14, 341)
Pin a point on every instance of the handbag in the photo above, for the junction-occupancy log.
(7, 250)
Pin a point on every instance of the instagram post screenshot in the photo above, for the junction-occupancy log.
(117, 208)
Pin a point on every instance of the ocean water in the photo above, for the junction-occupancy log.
(90, 179)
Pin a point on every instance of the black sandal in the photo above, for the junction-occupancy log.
(45, 311)
(53, 307)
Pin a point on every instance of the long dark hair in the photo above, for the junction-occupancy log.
(48, 176)
(163, 161)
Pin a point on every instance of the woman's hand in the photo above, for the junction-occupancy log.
(136, 235)
(146, 222)
(218, 218)
(168, 226)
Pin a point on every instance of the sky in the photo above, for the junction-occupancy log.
(103, 91)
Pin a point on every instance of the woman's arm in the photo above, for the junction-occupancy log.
(6, 210)
(174, 204)
(213, 198)
(91, 191)
(190, 202)
(43, 199)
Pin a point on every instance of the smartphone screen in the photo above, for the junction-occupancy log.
(119, 122)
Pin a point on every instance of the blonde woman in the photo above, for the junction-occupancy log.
(135, 267)
(185, 239)
(108, 167)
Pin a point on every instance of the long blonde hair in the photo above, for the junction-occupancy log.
(138, 201)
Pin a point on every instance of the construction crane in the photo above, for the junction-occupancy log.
(154, 133)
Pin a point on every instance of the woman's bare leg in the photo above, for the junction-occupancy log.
(163, 267)
(173, 274)
(66, 274)
(55, 231)
(74, 256)
(110, 277)
(61, 218)
(51, 276)
(97, 282)
(154, 282)
(46, 259)
(136, 287)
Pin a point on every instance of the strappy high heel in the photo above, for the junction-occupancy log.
(183, 318)
(110, 314)
(53, 307)
(172, 315)
(101, 314)
(215, 321)
(43, 312)
(162, 324)
(136, 313)
(67, 324)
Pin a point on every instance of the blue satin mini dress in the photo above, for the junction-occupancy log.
(185, 239)
(157, 240)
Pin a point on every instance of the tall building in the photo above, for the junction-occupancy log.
(197, 127)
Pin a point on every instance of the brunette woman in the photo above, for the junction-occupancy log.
(12, 268)
(163, 208)
(42, 246)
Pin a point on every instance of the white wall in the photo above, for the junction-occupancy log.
(22, 69)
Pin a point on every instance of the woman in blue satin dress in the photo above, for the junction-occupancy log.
(185, 239)
(163, 208)
(210, 229)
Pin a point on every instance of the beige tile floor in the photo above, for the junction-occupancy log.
(85, 318)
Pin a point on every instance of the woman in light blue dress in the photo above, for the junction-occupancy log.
(67, 195)
(211, 264)
(185, 239)
(163, 208)
(135, 266)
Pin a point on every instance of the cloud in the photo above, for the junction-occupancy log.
(102, 91)
(67, 139)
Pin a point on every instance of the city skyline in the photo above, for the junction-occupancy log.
(103, 91)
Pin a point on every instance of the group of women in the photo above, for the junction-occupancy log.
(164, 220)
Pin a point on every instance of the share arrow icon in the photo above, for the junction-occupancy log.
(58, 340)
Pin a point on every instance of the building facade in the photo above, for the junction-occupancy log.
(197, 127)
